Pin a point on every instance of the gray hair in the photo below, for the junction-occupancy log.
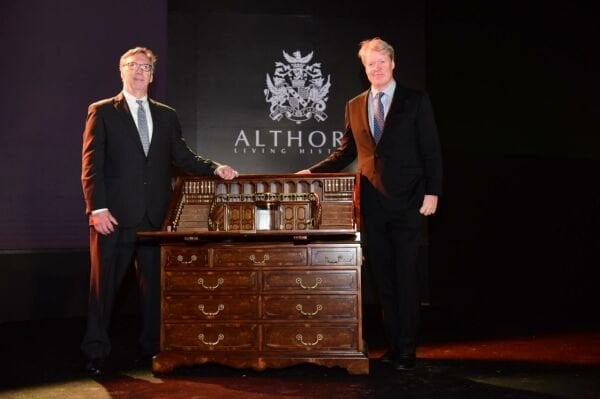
(136, 50)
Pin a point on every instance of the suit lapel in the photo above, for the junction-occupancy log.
(396, 109)
(364, 106)
(363, 112)
(397, 105)
(156, 131)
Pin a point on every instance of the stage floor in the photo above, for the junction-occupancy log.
(41, 359)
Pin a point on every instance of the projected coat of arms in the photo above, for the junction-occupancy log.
(297, 91)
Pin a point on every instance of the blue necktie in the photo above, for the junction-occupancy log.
(378, 116)
(143, 126)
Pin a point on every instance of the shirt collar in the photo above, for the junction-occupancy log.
(388, 90)
(132, 99)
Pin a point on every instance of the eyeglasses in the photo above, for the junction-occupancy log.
(134, 66)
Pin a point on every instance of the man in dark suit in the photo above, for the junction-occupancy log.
(392, 131)
(131, 144)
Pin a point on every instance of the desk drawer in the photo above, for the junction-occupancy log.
(301, 281)
(185, 257)
(336, 256)
(310, 307)
(213, 337)
(260, 257)
(307, 337)
(211, 282)
(212, 307)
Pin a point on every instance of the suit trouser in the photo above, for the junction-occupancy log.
(392, 247)
(111, 256)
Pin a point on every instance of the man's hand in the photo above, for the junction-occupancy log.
(103, 222)
(226, 172)
(429, 205)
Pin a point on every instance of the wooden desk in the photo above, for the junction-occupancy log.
(262, 272)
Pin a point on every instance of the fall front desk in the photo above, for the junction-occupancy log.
(262, 271)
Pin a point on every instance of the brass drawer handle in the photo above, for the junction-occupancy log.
(300, 309)
(220, 281)
(260, 262)
(299, 338)
(219, 308)
(337, 260)
(318, 281)
(220, 338)
(193, 258)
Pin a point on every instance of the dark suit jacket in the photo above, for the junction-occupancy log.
(116, 174)
(405, 165)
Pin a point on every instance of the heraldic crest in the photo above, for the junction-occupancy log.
(297, 90)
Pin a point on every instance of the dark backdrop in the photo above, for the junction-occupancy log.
(221, 65)
(514, 91)
(58, 57)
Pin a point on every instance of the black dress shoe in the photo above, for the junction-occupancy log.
(404, 362)
(387, 357)
(143, 362)
(95, 366)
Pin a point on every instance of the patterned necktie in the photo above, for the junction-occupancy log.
(378, 116)
(143, 126)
